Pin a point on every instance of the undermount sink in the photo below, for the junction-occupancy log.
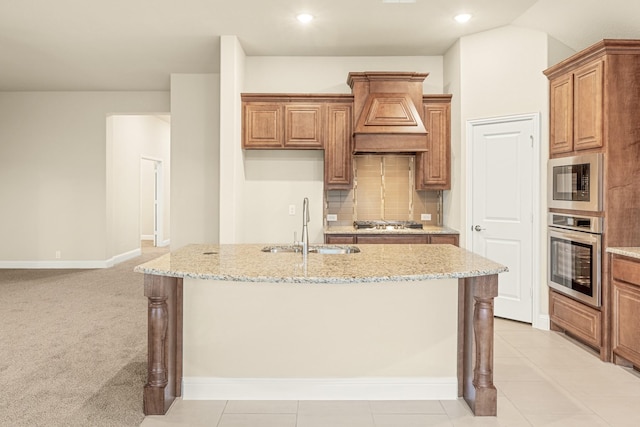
(279, 249)
(318, 249)
(334, 249)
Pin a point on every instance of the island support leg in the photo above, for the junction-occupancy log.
(475, 343)
(164, 364)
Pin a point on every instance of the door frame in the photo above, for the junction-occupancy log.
(158, 218)
(536, 286)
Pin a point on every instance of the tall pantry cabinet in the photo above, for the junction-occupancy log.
(595, 108)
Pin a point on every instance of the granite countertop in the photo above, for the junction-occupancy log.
(632, 252)
(428, 229)
(375, 263)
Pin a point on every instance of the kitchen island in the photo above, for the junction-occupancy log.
(300, 301)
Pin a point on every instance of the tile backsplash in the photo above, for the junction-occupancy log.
(383, 189)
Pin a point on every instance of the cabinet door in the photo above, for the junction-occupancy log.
(337, 150)
(625, 309)
(443, 239)
(262, 125)
(339, 239)
(392, 239)
(561, 115)
(303, 126)
(626, 321)
(433, 167)
(582, 321)
(587, 107)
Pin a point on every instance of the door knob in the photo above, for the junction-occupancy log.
(478, 228)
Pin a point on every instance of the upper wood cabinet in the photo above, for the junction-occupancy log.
(303, 125)
(273, 125)
(262, 125)
(338, 146)
(433, 167)
(576, 109)
(576, 106)
(326, 121)
(303, 122)
(561, 114)
(587, 106)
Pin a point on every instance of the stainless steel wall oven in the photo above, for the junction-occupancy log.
(575, 256)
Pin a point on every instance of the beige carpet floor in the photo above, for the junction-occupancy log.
(73, 346)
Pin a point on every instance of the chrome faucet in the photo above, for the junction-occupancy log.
(305, 229)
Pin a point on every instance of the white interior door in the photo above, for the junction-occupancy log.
(155, 203)
(502, 207)
(151, 200)
(158, 204)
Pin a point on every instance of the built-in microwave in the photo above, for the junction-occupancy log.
(575, 182)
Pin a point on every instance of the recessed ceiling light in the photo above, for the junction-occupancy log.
(305, 18)
(463, 17)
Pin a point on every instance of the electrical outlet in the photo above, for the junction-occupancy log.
(425, 217)
(332, 217)
(292, 209)
(58, 254)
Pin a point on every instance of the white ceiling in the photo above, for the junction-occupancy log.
(137, 44)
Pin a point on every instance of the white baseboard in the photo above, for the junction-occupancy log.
(161, 244)
(125, 257)
(401, 388)
(543, 322)
(66, 264)
(55, 264)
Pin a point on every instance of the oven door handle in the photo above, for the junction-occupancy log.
(580, 237)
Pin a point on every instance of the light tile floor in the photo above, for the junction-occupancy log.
(543, 379)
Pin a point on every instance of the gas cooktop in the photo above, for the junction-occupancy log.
(387, 225)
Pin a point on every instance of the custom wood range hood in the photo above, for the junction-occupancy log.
(387, 111)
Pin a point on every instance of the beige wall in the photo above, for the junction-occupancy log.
(53, 174)
(195, 179)
(453, 204)
(232, 65)
(272, 180)
(276, 330)
(300, 74)
(557, 51)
